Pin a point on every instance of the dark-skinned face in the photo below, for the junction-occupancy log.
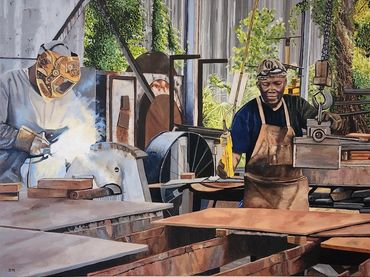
(272, 89)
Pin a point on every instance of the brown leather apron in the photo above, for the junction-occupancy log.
(271, 181)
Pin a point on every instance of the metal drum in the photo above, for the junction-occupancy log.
(173, 153)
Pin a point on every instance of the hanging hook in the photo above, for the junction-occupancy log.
(328, 100)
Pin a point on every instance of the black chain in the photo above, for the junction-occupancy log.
(326, 44)
(327, 27)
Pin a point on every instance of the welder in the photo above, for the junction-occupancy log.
(33, 107)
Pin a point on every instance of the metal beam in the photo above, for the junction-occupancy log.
(361, 91)
(173, 58)
(69, 18)
(201, 62)
(304, 58)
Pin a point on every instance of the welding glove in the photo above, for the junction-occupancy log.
(220, 170)
(53, 135)
(31, 142)
(335, 119)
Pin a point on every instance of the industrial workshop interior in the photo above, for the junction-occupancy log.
(185, 137)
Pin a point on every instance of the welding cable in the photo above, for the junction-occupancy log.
(42, 157)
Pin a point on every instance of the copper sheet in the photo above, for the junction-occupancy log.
(210, 187)
(157, 118)
(361, 245)
(266, 220)
(362, 230)
(35, 253)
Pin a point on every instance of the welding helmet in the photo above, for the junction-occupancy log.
(57, 70)
(270, 67)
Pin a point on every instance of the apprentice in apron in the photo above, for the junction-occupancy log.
(270, 179)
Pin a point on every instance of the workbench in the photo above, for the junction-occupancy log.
(38, 237)
(101, 219)
(35, 253)
(204, 242)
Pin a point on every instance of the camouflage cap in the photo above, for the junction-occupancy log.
(270, 67)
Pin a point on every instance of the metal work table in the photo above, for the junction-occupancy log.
(208, 241)
(102, 219)
(35, 253)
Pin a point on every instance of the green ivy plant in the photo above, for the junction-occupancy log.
(165, 38)
(102, 50)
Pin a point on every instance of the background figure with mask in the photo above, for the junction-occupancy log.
(34, 108)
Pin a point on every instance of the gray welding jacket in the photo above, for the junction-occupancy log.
(21, 105)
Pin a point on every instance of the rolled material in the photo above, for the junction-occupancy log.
(90, 193)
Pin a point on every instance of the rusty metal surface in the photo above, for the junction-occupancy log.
(157, 119)
(34, 253)
(364, 268)
(289, 262)
(187, 260)
(309, 154)
(361, 230)
(351, 174)
(153, 62)
(360, 245)
(266, 220)
(199, 257)
(51, 214)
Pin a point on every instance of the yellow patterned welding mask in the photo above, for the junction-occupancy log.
(56, 74)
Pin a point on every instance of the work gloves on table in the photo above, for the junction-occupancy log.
(335, 119)
(31, 142)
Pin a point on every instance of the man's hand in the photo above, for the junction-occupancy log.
(29, 141)
(39, 145)
(335, 119)
(221, 170)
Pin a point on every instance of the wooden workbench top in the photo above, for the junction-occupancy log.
(266, 220)
(361, 245)
(52, 214)
(35, 253)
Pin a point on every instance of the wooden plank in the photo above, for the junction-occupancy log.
(300, 240)
(9, 196)
(64, 183)
(34, 253)
(361, 230)
(187, 175)
(288, 262)
(10, 187)
(358, 244)
(52, 214)
(265, 220)
(47, 193)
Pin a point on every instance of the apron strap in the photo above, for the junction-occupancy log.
(260, 109)
(262, 115)
(287, 118)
